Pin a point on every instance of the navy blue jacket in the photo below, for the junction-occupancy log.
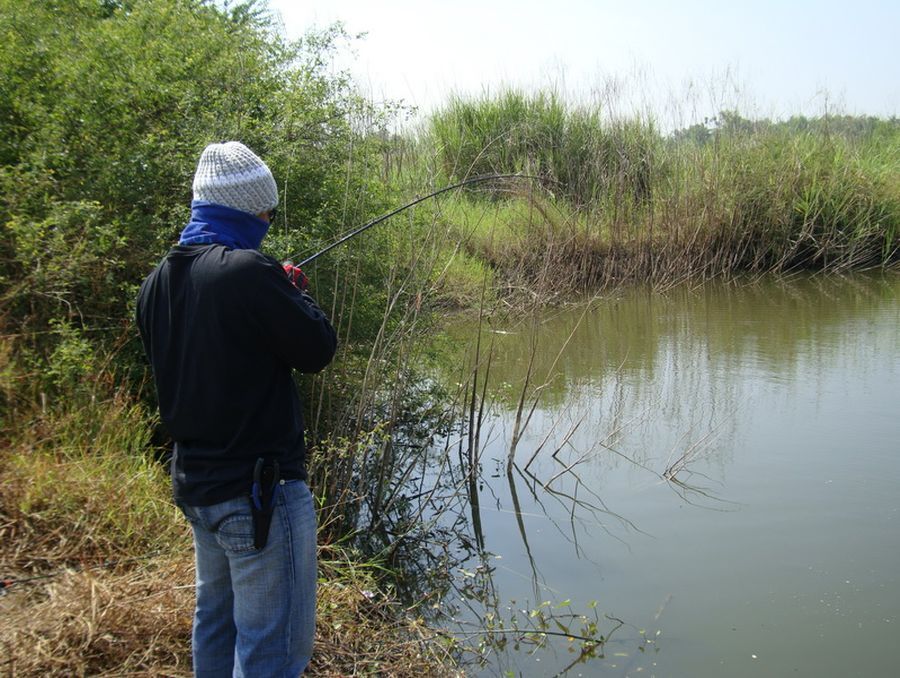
(223, 328)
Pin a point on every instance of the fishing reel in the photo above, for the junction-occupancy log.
(295, 275)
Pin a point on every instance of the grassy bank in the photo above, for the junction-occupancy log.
(617, 200)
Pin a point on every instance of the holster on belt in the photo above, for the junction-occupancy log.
(266, 483)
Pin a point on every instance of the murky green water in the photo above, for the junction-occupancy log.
(772, 545)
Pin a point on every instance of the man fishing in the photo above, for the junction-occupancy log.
(223, 328)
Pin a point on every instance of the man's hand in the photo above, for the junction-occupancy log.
(296, 276)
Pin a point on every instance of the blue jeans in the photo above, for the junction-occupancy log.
(256, 610)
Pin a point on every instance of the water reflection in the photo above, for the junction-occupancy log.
(675, 443)
(774, 322)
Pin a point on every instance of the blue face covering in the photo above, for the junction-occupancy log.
(212, 223)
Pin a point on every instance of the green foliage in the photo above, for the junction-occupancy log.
(81, 480)
(105, 107)
(623, 202)
(571, 148)
(72, 361)
(466, 281)
(857, 128)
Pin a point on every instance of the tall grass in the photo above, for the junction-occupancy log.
(89, 494)
(621, 201)
(570, 148)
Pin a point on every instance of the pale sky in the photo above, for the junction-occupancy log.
(683, 60)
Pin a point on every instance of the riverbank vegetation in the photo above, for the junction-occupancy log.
(105, 106)
(619, 201)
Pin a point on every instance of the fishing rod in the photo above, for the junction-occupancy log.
(471, 180)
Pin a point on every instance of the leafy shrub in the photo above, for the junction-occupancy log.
(106, 107)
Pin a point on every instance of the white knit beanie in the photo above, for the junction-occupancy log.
(231, 174)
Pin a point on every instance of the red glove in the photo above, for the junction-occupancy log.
(296, 276)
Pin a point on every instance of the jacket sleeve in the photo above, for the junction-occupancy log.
(291, 325)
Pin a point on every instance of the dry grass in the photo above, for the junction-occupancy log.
(102, 623)
(137, 621)
(363, 632)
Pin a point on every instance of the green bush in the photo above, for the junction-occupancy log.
(105, 107)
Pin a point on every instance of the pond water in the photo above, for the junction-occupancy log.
(717, 468)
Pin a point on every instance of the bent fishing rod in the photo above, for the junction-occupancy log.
(471, 180)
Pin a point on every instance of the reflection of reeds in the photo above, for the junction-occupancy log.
(535, 394)
(694, 452)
